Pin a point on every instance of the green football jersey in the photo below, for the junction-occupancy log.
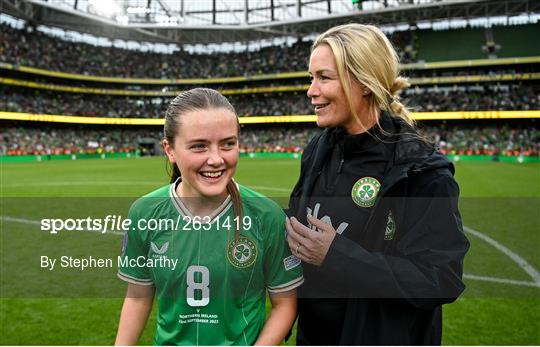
(210, 283)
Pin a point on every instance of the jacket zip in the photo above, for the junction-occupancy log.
(341, 157)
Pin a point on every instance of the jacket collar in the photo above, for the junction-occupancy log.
(413, 154)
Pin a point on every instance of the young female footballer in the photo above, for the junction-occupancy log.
(215, 248)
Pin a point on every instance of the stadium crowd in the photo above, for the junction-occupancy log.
(486, 140)
(503, 140)
(16, 140)
(476, 98)
(30, 47)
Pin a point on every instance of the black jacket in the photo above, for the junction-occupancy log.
(392, 290)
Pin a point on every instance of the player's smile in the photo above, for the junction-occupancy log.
(212, 175)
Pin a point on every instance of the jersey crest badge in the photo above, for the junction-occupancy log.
(242, 252)
(390, 227)
(365, 191)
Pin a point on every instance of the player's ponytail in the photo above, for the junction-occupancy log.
(173, 171)
(232, 189)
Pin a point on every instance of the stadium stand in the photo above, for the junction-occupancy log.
(443, 76)
(30, 47)
(507, 43)
(474, 98)
(33, 48)
(445, 98)
(456, 44)
(506, 140)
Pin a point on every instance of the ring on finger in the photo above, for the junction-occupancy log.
(298, 247)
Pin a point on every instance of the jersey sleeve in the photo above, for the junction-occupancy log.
(283, 271)
(132, 262)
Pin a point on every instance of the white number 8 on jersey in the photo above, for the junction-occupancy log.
(202, 286)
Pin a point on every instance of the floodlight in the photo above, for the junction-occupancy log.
(123, 20)
(108, 9)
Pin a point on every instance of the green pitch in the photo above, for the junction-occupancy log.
(500, 207)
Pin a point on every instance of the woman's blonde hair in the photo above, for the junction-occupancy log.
(364, 54)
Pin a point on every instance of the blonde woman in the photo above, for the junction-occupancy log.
(374, 215)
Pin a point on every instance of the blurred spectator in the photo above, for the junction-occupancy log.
(456, 139)
(489, 140)
(39, 50)
(50, 140)
(474, 98)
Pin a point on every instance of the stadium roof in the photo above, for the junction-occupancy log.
(217, 21)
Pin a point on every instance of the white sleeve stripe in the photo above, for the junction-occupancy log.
(287, 286)
(130, 279)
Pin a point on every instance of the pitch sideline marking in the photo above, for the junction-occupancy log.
(75, 183)
(528, 268)
(467, 229)
(501, 280)
(126, 183)
(271, 188)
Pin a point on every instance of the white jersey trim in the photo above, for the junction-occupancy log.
(131, 279)
(286, 286)
(184, 211)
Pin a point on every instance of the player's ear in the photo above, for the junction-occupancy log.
(168, 150)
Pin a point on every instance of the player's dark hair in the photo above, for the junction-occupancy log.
(193, 100)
